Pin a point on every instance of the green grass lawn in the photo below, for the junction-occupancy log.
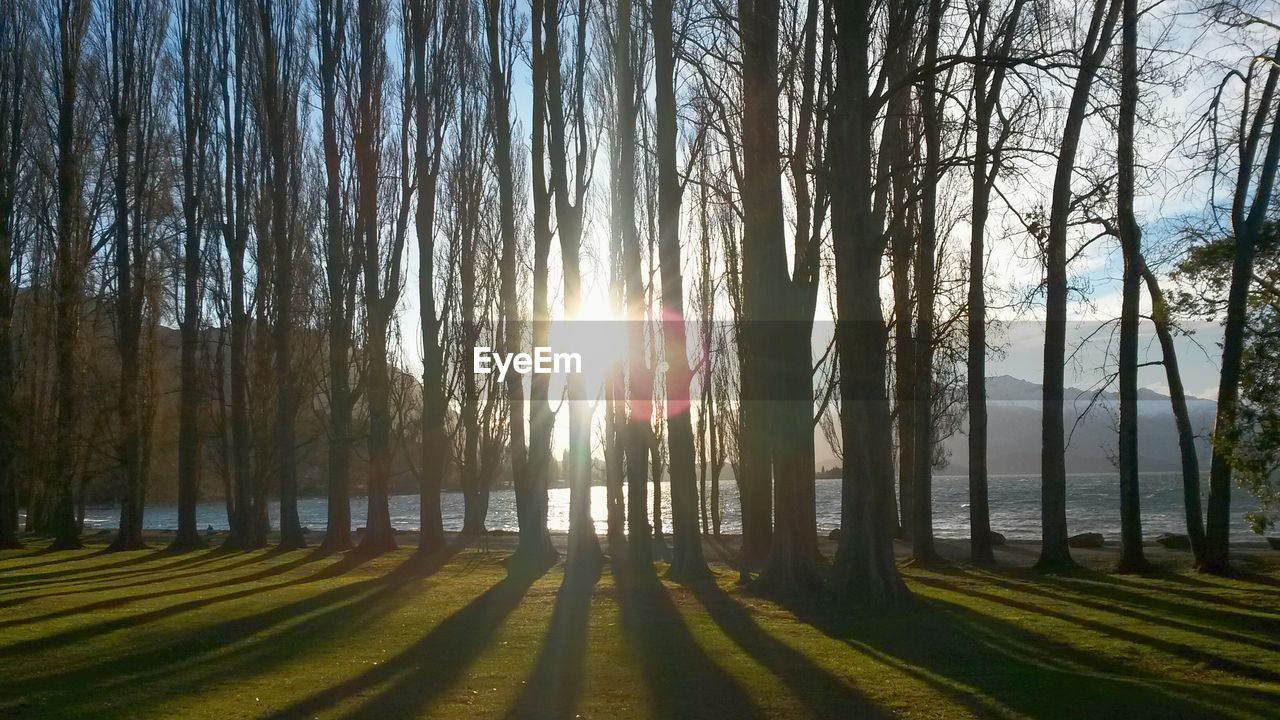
(265, 634)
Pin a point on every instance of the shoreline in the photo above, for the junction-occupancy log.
(1022, 554)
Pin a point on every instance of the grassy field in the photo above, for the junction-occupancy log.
(265, 634)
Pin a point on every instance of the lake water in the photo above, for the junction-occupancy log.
(1093, 503)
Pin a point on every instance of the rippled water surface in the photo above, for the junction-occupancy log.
(1092, 506)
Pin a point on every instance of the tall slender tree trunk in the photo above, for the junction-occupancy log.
(687, 562)
(473, 499)
(1247, 225)
(922, 547)
(124, 104)
(584, 546)
(764, 267)
(195, 25)
(792, 565)
(379, 294)
(1054, 552)
(235, 238)
(1131, 555)
(276, 33)
(1182, 417)
(340, 279)
(865, 571)
(13, 103)
(534, 542)
(72, 22)
(985, 170)
(635, 433)
(980, 549)
(904, 353)
(434, 407)
(534, 547)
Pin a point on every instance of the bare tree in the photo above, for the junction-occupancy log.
(341, 271)
(531, 500)
(432, 42)
(687, 563)
(636, 433)
(865, 572)
(192, 46)
(15, 74)
(1251, 201)
(533, 542)
(132, 36)
(382, 256)
(584, 546)
(67, 26)
(987, 86)
(1131, 555)
(237, 176)
(1054, 552)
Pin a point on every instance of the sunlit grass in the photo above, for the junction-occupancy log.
(212, 634)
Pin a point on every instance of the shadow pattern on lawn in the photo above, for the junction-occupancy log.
(552, 689)
(420, 673)
(683, 679)
(215, 654)
(978, 638)
(998, 668)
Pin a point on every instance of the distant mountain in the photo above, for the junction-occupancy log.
(1014, 420)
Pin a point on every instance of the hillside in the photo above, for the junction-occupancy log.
(1014, 418)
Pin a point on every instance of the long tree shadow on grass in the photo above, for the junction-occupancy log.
(149, 576)
(683, 680)
(17, 576)
(342, 565)
(1002, 669)
(91, 575)
(207, 656)
(1092, 590)
(430, 666)
(552, 689)
(86, 632)
(1124, 631)
(823, 693)
(1189, 587)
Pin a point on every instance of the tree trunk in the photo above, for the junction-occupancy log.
(1054, 553)
(194, 43)
(124, 103)
(235, 238)
(986, 100)
(340, 279)
(467, 193)
(639, 379)
(534, 548)
(584, 546)
(73, 21)
(792, 565)
(1131, 555)
(865, 571)
(434, 408)
(1181, 416)
(1247, 227)
(904, 352)
(278, 110)
(13, 73)
(687, 563)
(922, 547)
(380, 295)
(764, 268)
(532, 541)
